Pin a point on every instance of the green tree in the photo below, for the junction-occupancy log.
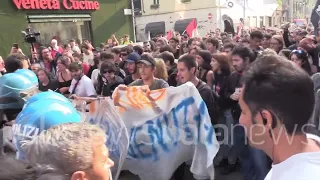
(279, 2)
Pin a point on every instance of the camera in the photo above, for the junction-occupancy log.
(30, 36)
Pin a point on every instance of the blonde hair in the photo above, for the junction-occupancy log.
(161, 69)
(268, 51)
(66, 147)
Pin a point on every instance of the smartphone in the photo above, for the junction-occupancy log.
(15, 45)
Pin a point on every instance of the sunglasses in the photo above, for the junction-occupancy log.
(298, 51)
(108, 71)
(123, 54)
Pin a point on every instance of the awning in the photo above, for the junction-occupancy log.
(59, 18)
(156, 28)
(181, 25)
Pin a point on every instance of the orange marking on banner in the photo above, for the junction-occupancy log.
(162, 93)
(136, 98)
(116, 99)
(140, 99)
(92, 107)
(121, 109)
(129, 97)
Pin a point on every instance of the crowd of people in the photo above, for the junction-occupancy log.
(253, 78)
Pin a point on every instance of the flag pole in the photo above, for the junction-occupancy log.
(149, 36)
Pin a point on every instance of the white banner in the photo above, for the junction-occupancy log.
(153, 132)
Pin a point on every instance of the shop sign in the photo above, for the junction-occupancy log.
(56, 5)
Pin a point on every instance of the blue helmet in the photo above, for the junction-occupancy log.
(39, 116)
(48, 95)
(28, 74)
(11, 86)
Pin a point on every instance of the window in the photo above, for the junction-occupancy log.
(255, 19)
(155, 4)
(274, 20)
(270, 21)
(261, 21)
(63, 31)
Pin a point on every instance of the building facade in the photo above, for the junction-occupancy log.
(159, 16)
(298, 9)
(95, 20)
(152, 7)
(155, 17)
(272, 17)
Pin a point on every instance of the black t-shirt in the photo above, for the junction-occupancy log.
(91, 70)
(208, 97)
(176, 54)
(53, 85)
(128, 80)
(11, 115)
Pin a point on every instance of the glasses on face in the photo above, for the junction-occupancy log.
(302, 54)
(123, 54)
(297, 51)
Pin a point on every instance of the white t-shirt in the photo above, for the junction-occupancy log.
(76, 49)
(94, 76)
(302, 166)
(84, 88)
(88, 58)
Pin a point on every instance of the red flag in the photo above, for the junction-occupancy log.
(169, 35)
(191, 27)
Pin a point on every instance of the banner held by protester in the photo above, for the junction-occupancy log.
(166, 127)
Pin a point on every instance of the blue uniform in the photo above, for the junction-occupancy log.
(41, 115)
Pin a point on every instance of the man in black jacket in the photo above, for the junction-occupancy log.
(241, 57)
(253, 161)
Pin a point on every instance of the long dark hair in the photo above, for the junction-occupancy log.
(303, 56)
(223, 60)
(48, 74)
(206, 56)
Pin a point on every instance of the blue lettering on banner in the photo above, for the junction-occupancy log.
(185, 103)
(140, 145)
(157, 131)
(163, 133)
(210, 135)
(113, 133)
(131, 152)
